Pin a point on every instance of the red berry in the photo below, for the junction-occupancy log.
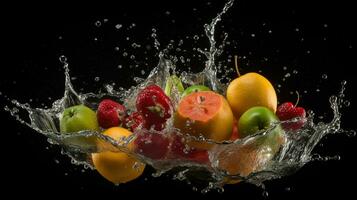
(133, 121)
(152, 145)
(110, 113)
(180, 151)
(154, 106)
(288, 111)
(199, 156)
(177, 147)
(235, 134)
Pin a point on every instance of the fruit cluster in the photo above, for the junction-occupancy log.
(249, 106)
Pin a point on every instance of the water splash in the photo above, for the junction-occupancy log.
(252, 159)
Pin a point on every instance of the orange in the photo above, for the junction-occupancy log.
(117, 167)
(251, 157)
(204, 113)
(250, 90)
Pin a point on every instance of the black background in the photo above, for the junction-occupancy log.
(36, 35)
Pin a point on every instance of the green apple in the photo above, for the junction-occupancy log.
(78, 118)
(261, 118)
(195, 88)
(171, 82)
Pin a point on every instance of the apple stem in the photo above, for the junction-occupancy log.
(298, 98)
(236, 64)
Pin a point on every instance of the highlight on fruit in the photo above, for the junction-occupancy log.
(221, 134)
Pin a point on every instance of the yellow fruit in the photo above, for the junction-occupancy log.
(206, 113)
(250, 90)
(117, 167)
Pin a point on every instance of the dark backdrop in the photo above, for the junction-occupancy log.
(312, 38)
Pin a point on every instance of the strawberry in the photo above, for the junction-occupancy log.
(155, 107)
(152, 144)
(110, 113)
(288, 111)
(133, 121)
(180, 151)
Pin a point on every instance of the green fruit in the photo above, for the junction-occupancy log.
(79, 118)
(173, 81)
(261, 118)
(195, 88)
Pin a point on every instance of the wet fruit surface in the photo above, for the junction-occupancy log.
(205, 113)
(155, 107)
(287, 111)
(250, 90)
(110, 113)
(117, 167)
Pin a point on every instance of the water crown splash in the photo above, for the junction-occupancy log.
(265, 162)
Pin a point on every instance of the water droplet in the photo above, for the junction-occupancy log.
(63, 59)
(60, 37)
(133, 25)
(196, 37)
(265, 194)
(324, 76)
(270, 31)
(98, 23)
(308, 51)
(105, 20)
(317, 90)
(56, 161)
(132, 57)
(120, 66)
(134, 45)
(96, 79)
(125, 54)
(287, 75)
(253, 35)
(95, 39)
(347, 103)
(297, 29)
(170, 46)
(295, 72)
(167, 13)
(285, 68)
(352, 133)
(118, 26)
(325, 25)
(142, 72)
(288, 189)
(116, 48)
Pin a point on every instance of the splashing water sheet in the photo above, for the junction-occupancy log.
(204, 56)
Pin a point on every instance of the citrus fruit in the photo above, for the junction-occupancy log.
(117, 167)
(250, 90)
(204, 113)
